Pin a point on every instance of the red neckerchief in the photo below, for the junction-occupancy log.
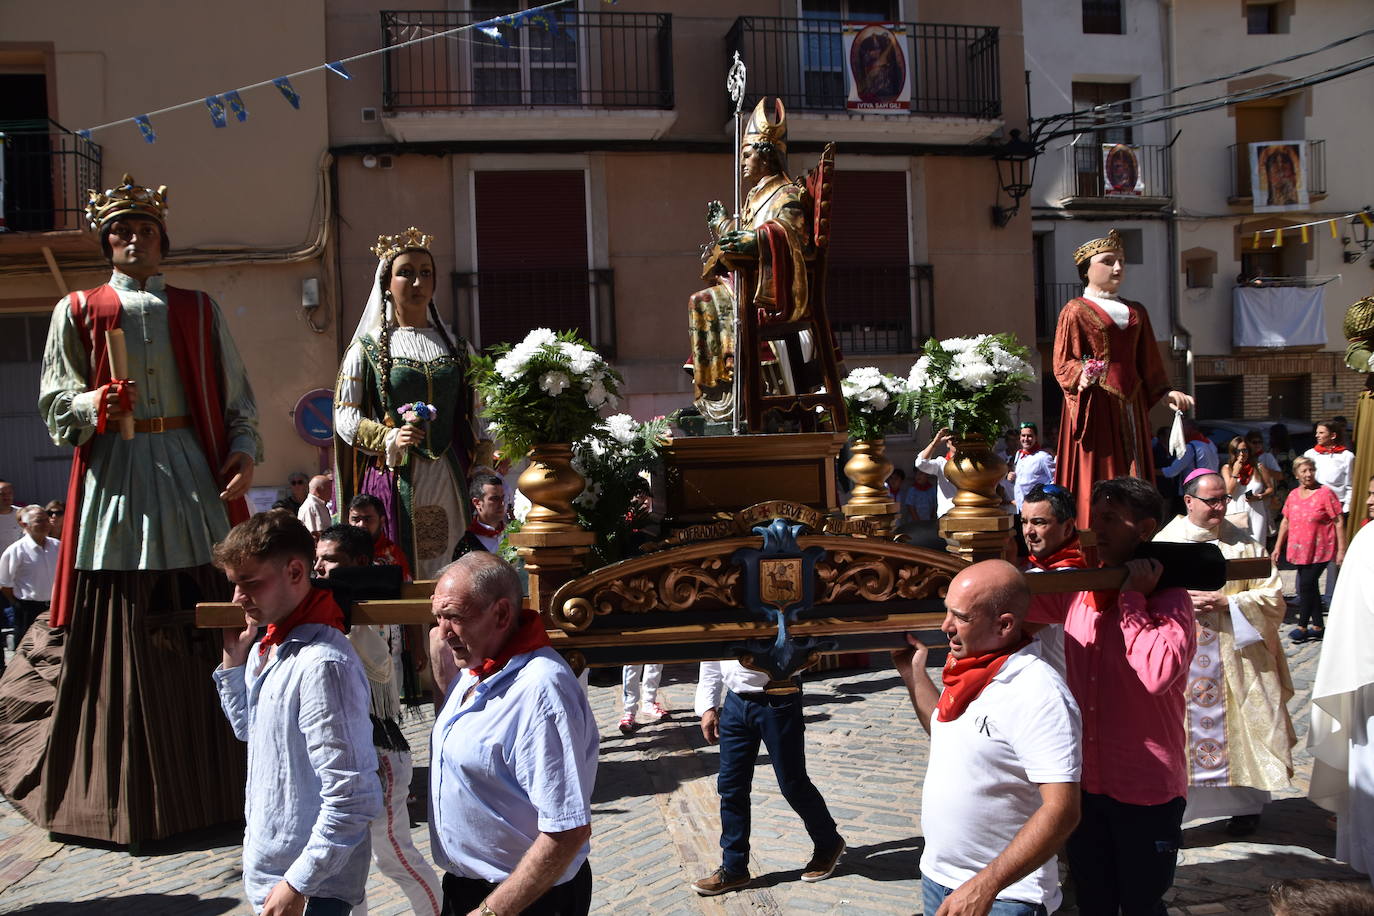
(318, 607)
(1246, 471)
(479, 527)
(923, 485)
(1068, 556)
(1329, 449)
(528, 637)
(965, 678)
(385, 552)
(1023, 453)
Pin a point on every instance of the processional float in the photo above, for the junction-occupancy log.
(781, 581)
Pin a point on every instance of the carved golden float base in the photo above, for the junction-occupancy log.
(708, 475)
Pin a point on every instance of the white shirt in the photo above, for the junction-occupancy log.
(945, 490)
(714, 678)
(1333, 470)
(982, 780)
(1033, 469)
(515, 759)
(29, 568)
(314, 513)
(9, 529)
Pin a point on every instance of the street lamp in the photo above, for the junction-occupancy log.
(1360, 222)
(1012, 158)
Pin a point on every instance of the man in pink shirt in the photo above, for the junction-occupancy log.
(1127, 656)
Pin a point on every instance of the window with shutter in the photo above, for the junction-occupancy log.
(868, 289)
(531, 254)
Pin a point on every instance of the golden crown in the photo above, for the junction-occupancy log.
(128, 199)
(761, 130)
(1111, 243)
(389, 246)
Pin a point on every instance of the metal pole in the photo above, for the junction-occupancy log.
(734, 84)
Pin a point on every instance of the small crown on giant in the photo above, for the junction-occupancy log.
(1112, 242)
(129, 199)
(389, 246)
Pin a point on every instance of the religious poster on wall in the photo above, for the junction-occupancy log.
(1121, 176)
(877, 71)
(1278, 175)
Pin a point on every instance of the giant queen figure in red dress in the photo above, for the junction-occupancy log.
(1108, 365)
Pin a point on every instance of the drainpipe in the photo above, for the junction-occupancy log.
(1178, 333)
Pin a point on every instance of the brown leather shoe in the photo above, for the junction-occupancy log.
(720, 881)
(822, 864)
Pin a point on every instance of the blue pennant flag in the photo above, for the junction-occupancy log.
(544, 21)
(288, 91)
(216, 106)
(236, 105)
(338, 67)
(145, 127)
(84, 134)
(490, 30)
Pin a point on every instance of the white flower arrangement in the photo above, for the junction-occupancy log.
(873, 400)
(616, 458)
(547, 388)
(969, 383)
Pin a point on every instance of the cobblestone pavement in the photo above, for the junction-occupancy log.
(656, 825)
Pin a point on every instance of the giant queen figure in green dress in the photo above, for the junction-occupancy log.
(402, 354)
(110, 727)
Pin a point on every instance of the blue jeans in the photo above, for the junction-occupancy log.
(776, 721)
(932, 894)
(327, 906)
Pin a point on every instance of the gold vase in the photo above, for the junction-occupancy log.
(868, 469)
(550, 484)
(978, 525)
(976, 470)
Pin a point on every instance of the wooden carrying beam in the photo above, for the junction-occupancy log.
(874, 593)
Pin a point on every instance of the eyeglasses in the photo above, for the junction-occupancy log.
(1216, 502)
(53, 513)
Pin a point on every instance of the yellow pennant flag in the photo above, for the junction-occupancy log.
(1364, 215)
(1334, 234)
(1304, 235)
(1257, 235)
(1278, 239)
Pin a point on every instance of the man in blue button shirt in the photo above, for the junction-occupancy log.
(300, 699)
(513, 757)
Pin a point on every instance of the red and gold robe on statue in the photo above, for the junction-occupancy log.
(1105, 430)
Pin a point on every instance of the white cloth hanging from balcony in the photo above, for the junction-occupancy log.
(1277, 316)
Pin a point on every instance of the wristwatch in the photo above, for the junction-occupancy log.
(485, 910)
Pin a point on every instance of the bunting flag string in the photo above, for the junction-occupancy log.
(236, 105)
(216, 106)
(539, 16)
(1365, 215)
(288, 91)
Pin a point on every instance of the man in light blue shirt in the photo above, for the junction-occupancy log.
(513, 757)
(300, 699)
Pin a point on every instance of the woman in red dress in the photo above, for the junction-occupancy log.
(1314, 535)
(1107, 363)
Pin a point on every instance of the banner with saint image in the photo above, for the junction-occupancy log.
(1278, 175)
(1121, 176)
(877, 72)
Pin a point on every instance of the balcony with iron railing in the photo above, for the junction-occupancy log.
(1050, 299)
(954, 74)
(1314, 173)
(47, 170)
(502, 306)
(880, 308)
(1110, 175)
(584, 74)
